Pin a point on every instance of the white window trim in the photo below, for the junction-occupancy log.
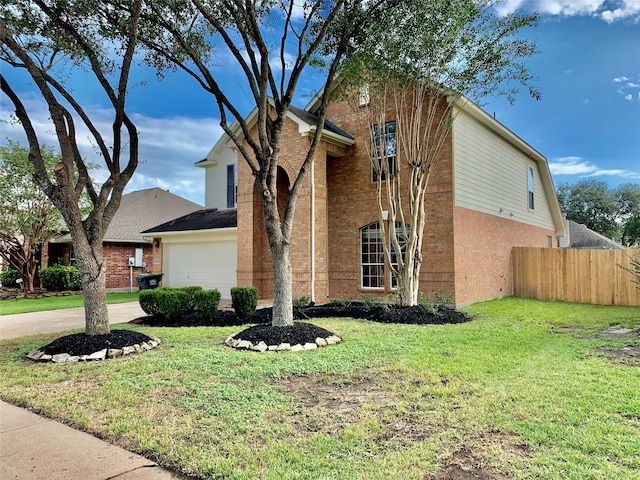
(531, 187)
(391, 159)
(363, 264)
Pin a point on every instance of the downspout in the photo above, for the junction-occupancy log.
(313, 232)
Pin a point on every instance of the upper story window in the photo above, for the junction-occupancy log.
(530, 186)
(363, 95)
(232, 189)
(384, 151)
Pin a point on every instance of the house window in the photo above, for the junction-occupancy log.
(530, 187)
(384, 151)
(549, 241)
(371, 256)
(363, 95)
(231, 186)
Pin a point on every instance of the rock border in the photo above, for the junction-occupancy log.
(283, 347)
(105, 353)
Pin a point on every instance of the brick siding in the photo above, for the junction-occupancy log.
(466, 254)
(483, 261)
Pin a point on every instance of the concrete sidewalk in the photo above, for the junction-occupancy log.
(37, 448)
(23, 324)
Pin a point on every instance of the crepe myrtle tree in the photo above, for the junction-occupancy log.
(27, 216)
(272, 43)
(49, 41)
(407, 84)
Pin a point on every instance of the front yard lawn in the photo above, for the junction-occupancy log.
(26, 305)
(518, 393)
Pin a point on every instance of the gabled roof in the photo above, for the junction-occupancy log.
(207, 219)
(580, 236)
(306, 121)
(140, 210)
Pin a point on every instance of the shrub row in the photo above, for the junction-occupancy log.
(175, 303)
(60, 277)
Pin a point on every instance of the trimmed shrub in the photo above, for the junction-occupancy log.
(75, 281)
(190, 291)
(172, 302)
(244, 301)
(8, 278)
(205, 303)
(60, 277)
(149, 301)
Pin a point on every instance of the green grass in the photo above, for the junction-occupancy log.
(519, 392)
(26, 305)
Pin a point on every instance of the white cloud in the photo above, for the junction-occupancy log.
(605, 10)
(571, 166)
(628, 97)
(584, 168)
(168, 146)
(621, 79)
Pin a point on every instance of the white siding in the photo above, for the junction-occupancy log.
(216, 179)
(490, 175)
(207, 259)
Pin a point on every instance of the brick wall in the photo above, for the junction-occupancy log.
(352, 204)
(483, 262)
(255, 267)
(117, 255)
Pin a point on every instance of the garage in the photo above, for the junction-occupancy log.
(206, 257)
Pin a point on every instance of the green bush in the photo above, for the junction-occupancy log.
(205, 303)
(8, 278)
(172, 302)
(301, 302)
(149, 301)
(60, 277)
(190, 291)
(244, 301)
(75, 281)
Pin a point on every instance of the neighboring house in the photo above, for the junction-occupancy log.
(489, 192)
(580, 236)
(138, 210)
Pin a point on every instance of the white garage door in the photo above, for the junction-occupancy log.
(208, 263)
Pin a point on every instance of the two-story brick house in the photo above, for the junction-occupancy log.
(488, 192)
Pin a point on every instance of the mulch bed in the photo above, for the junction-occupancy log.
(383, 314)
(82, 344)
(299, 333)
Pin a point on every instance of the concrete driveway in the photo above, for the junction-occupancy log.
(23, 324)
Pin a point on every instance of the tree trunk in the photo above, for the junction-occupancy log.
(93, 270)
(283, 286)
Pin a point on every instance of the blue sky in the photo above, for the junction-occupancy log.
(587, 123)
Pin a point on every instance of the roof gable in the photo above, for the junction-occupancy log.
(581, 236)
(143, 209)
(306, 121)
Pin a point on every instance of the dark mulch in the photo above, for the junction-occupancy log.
(387, 314)
(384, 314)
(82, 344)
(300, 332)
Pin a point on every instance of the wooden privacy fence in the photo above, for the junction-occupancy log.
(572, 275)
